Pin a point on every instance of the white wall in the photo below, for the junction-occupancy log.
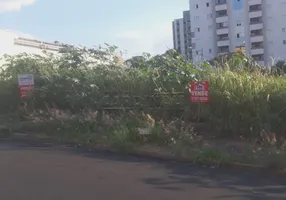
(241, 16)
(202, 24)
(7, 45)
(274, 21)
(179, 35)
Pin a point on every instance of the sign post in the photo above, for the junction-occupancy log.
(26, 84)
(200, 92)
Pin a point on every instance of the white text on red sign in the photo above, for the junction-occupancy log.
(200, 93)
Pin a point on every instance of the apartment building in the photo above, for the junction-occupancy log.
(182, 38)
(222, 26)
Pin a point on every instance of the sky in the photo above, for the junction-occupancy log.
(132, 25)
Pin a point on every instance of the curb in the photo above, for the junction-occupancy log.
(26, 138)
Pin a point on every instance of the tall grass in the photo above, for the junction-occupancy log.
(243, 100)
(244, 103)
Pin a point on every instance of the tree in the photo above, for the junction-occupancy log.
(136, 62)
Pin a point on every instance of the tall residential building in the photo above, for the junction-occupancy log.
(182, 35)
(222, 26)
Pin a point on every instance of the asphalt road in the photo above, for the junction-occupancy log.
(29, 172)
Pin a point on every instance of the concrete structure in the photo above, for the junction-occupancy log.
(221, 26)
(13, 43)
(182, 35)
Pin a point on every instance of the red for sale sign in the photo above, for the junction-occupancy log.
(200, 92)
(26, 90)
(26, 84)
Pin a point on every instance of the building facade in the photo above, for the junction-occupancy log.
(13, 43)
(222, 26)
(182, 39)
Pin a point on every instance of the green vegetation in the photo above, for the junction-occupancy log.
(90, 96)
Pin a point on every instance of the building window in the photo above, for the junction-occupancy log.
(210, 50)
(283, 30)
(284, 42)
(198, 29)
(239, 24)
(208, 4)
(197, 6)
(239, 35)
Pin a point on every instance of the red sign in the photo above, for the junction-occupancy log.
(26, 90)
(26, 84)
(200, 92)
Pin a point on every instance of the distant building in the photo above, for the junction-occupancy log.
(223, 26)
(182, 39)
(13, 43)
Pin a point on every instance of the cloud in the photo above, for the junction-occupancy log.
(154, 40)
(14, 5)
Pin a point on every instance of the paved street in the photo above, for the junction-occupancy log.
(55, 173)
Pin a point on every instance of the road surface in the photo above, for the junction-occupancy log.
(29, 172)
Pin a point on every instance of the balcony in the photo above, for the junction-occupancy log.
(221, 31)
(221, 13)
(255, 14)
(222, 19)
(257, 48)
(222, 37)
(223, 50)
(223, 42)
(221, 6)
(254, 2)
(255, 8)
(220, 2)
(257, 51)
(256, 38)
(256, 26)
(222, 28)
(256, 20)
(258, 57)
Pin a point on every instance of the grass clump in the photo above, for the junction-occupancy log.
(122, 138)
(212, 155)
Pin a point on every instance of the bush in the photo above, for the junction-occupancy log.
(122, 138)
(245, 100)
